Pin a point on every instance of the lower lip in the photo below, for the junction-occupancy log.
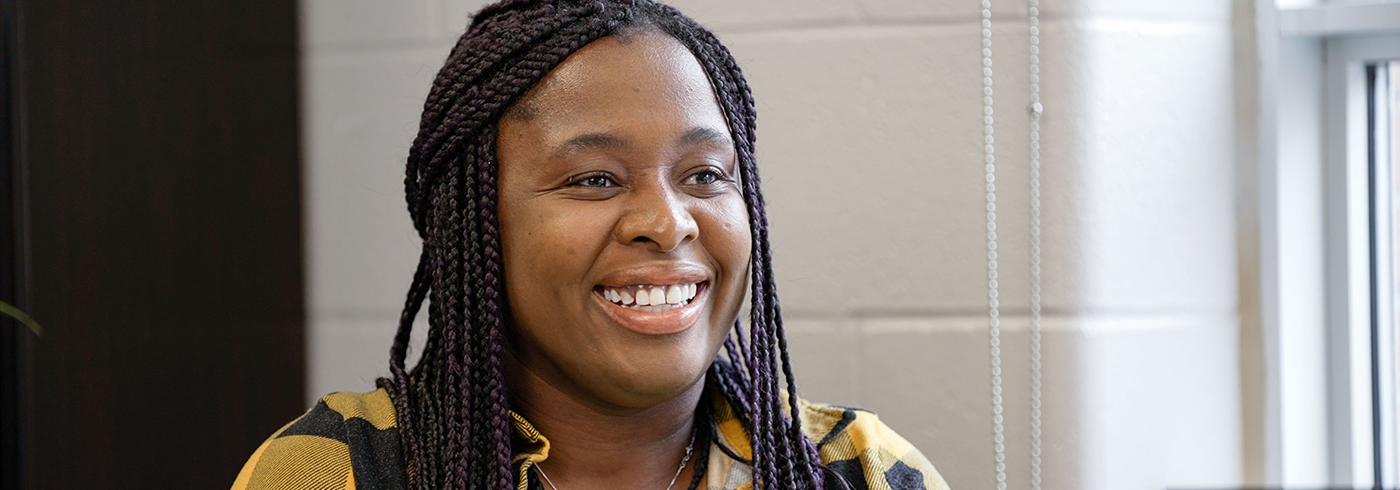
(667, 322)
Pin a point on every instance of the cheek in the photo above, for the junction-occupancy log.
(550, 249)
(550, 246)
(730, 241)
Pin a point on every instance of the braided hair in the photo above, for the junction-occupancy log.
(452, 407)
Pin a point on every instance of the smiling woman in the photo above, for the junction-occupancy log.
(585, 186)
(620, 183)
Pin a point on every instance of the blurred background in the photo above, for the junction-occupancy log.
(203, 208)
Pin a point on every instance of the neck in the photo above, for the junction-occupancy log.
(594, 445)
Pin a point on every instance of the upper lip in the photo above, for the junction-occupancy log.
(659, 273)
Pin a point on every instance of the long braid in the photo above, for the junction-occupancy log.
(727, 378)
(806, 450)
(417, 292)
(766, 318)
(441, 313)
(467, 422)
(495, 318)
(467, 425)
(452, 406)
(428, 389)
(454, 305)
(738, 103)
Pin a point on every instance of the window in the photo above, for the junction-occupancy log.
(1382, 111)
(1363, 201)
(1331, 246)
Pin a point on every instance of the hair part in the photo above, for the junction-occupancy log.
(452, 407)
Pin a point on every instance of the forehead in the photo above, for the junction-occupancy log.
(645, 77)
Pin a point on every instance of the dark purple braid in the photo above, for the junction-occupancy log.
(790, 448)
(493, 319)
(452, 407)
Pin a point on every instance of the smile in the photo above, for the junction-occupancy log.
(651, 298)
(654, 309)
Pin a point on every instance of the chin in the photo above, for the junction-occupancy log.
(647, 385)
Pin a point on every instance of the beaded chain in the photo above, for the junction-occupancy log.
(993, 306)
(1036, 108)
(993, 291)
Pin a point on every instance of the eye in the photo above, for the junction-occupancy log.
(592, 180)
(705, 177)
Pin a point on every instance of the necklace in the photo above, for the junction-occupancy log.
(690, 448)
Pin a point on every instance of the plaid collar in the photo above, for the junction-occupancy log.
(533, 448)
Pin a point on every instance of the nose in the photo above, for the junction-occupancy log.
(657, 217)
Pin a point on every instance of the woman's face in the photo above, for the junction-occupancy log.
(625, 234)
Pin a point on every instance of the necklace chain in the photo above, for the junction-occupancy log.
(689, 449)
(993, 290)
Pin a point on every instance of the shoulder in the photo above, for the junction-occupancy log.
(856, 445)
(348, 440)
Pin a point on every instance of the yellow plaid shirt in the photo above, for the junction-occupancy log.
(351, 441)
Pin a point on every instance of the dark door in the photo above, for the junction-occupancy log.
(14, 337)
(158, 140)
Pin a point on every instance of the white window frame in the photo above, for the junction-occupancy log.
(1351, 35)
(1348, 204)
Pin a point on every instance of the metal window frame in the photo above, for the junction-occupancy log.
(1383, 308)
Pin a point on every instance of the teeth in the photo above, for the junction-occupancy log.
(656, 309)
(651, 298)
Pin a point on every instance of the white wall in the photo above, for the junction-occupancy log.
(869, 142)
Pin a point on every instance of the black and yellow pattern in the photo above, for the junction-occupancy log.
(351, 441)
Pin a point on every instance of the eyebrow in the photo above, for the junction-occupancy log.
(589, 141)
(608, 141)
(703, 135)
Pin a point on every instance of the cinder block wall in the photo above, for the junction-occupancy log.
(870, 145)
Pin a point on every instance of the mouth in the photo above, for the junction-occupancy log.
(653, 309)
(651, 298)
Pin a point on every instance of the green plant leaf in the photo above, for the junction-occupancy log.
(12, 312)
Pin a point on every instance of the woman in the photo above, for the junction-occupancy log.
(584, 183)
